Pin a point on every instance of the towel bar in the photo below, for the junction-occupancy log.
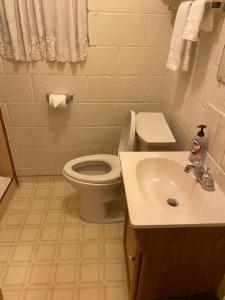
(211, 4)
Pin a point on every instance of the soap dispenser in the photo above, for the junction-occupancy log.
(199, 146)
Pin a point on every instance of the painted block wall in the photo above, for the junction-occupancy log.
(125, 70)
(197, 97)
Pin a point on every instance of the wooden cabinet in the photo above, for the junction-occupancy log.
(6, 168)
(6, 162)
(173, 261)
(133, 259)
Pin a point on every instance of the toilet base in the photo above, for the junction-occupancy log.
(100, 203)
(116, 219)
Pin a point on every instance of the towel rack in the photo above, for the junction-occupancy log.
(209, 4)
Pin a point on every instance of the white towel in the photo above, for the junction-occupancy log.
(192, 28)
(206, 25)
(177, 41)
(194, 20)
(187, 56)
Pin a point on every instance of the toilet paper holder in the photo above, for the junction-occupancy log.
(69, 97)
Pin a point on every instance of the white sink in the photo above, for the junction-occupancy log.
(160, 194)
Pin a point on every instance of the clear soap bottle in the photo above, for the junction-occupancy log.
(199, 146)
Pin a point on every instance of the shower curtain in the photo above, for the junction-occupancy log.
(32, 30)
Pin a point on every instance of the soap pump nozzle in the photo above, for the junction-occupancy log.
(201, 132)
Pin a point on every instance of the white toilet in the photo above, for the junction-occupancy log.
(98, 178)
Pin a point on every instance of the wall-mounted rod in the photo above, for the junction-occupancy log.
(209, 4)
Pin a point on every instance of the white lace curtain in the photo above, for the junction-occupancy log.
(32, 30)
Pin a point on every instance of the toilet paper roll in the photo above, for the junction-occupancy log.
(57, 101)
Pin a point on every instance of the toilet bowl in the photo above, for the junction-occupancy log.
(98, 180)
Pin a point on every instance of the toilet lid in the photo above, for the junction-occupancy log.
(128, 133)
(113, 175)
(153, 128)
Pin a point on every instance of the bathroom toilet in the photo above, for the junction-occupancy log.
(98, 178)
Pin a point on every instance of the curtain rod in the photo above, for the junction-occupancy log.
(209, 4)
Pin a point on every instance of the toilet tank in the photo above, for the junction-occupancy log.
(153, 132)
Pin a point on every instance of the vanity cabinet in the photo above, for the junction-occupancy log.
(133, 256)
(173, 261)
(6, 169)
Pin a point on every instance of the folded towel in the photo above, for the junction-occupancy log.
(192, 28)
(206, 25)
(187, 56)
(177, 41)
(194, 20)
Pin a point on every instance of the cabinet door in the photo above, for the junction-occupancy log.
(133, 259)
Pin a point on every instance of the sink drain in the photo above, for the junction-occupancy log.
(172, 202)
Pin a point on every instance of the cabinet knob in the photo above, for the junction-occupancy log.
(131, 258)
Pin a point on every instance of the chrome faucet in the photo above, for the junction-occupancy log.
(202, 175)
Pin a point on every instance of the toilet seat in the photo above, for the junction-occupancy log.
(111, 161)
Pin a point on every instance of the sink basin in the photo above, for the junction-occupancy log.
(161, 179)
(160, 194)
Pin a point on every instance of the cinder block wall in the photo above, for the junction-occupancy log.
(125, 70)
(197, 97)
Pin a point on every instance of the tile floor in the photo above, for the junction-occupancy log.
(48, 253)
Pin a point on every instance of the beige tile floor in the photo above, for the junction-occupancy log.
(48, 253)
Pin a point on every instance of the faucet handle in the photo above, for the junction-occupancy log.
(208, 181)
(198, 164)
